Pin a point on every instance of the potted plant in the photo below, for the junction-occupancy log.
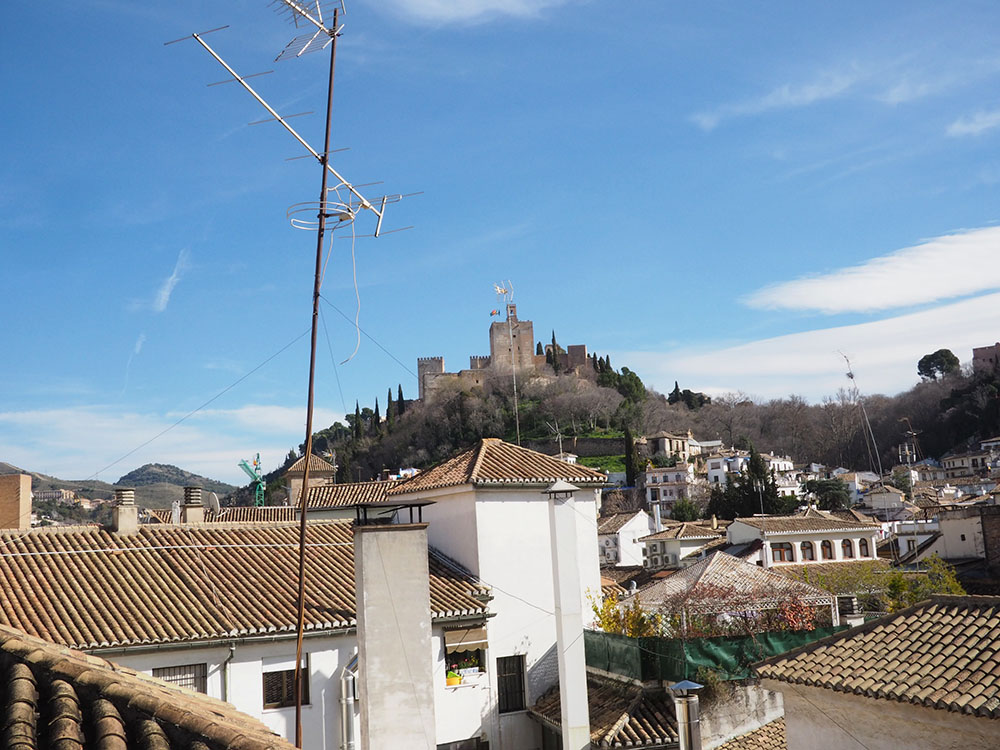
(453, 677)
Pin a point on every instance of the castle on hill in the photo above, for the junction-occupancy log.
(512, 341)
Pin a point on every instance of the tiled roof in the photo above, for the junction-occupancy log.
(492, 462)
(234, 514)
(813, 521)
(685, 530)
(613, 524)
(771, 736)
(943, 654)
(345, 495)
(722, 580)
(53, 697)
(316, 464)
(620, 715)
(190, 583)
(850, 514)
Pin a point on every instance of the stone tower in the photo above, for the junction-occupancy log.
(523, 335)
(427, 368)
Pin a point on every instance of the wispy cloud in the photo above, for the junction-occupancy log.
(136, 348)
(884, 354)
(468, 11)
(977, 124)
(162, 298)
(941, 268)
(788, 96)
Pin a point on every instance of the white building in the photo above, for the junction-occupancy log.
(618, 537)
(490, 515)
(808, 538)
(677, 545)
(719, 467)
(668, 484)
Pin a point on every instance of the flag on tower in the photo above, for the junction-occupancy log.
(494, 312)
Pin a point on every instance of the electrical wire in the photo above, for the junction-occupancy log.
(367, 335)
(336, 372)
(191, 413)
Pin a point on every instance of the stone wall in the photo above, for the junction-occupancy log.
(990, 519)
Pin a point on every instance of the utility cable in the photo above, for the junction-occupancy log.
(191, 413)
(368, 336)
(336, 372)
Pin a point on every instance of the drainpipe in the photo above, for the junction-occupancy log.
(347, 683)
(225, 672)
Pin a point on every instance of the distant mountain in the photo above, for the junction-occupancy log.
(158, 485)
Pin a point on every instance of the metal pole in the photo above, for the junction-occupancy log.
(320, 232)
(513, 373)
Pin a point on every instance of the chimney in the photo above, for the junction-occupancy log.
(192, 511)
(15, 501)
(125, 514)
(385, 475)
(687, 712)
(657, 518)
(391, 576)
(715, 521)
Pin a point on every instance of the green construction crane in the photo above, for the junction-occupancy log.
(255, 476)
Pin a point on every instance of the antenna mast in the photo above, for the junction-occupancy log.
(506, 293)
(869, 434)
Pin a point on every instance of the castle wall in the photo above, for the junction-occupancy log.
(428, 367)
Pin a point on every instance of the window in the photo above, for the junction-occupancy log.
(847, 546)
(863, 548)
(782, 552)
(826, 548)
(963, 537)
(510, 683)
(911, 545)
(192, 676)
(808, 553)
(279, 688)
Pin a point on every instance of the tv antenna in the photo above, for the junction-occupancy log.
(505, 292)
(868, 433)
(321, 35)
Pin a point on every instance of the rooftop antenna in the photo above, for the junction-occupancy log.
(321, 35)
(869, 434)
(505, 292)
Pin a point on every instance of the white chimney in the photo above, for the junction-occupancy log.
(657, 518)
(125, 514)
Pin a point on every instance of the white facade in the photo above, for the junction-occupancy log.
(623, 547)
(235, 671)
(502, 536)
(860, 544)
(669, 484)
(720, 466)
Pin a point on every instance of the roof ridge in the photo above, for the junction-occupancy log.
(480, 455)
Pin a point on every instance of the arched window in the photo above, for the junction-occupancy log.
(863, 548)
(848, 547)
(827, 549)
(808, 553)
(782, 552)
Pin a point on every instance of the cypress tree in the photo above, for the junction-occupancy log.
(357, 421)
(400, 403)
(389, 411)
(376, 421)
(538, 349)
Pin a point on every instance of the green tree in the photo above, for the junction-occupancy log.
(400, 403)
(751, 491)
(389, 412)
(685, 510)
(357, 421)
(633, 461)
(829, 494)
(376, 423)
(538, 349)
(675, 394)
(631, 387)
(902, 481)
(906, 589)
(937, 364)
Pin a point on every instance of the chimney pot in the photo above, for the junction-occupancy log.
(125, 495)
(192, 511)
(192, 495)
(125, 514)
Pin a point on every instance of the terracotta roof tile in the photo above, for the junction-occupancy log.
(709, 582)
(612, 524)
(316, 465)
(89, 588)
(345, 495)
(54, 697)
(926, 654)
(493, 462)
(620, 715)
(771, 736)
(234, 514)
(813, 521)
(685, 530)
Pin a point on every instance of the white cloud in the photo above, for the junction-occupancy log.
(787, 96)
(450, 11)
(162, 297)
(978, 124)
(77, 442)
(138, 343)
(884, 354)
(938, 269)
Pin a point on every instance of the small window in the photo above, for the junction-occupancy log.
(808, 553)
(863, 548)
(782, 552)
(510, 684)
(279, 688)
(911, 545)
(193, 676)
(848, 548)
(826, 548)
(963, 537)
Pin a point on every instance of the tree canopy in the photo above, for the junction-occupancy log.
(937, 364)
(753, 490)
(830, 494)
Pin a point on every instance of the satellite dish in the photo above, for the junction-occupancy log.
(175, 512)
(213, 502)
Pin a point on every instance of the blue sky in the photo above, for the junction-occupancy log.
(717, 193)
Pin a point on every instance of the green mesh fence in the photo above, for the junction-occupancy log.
(674, 659)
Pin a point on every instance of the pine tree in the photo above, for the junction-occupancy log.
(400, 403)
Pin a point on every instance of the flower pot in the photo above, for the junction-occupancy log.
(456, 680)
